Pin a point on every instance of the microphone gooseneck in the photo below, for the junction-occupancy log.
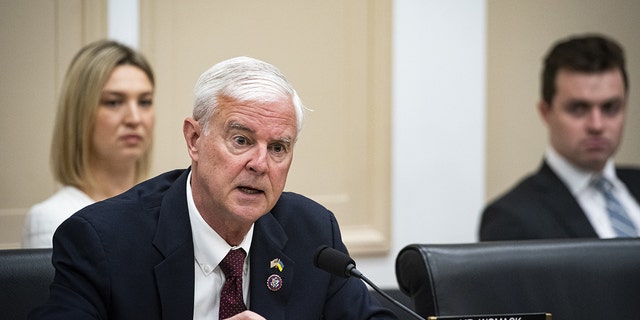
(339, 264)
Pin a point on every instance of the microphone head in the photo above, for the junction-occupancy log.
(333, 261)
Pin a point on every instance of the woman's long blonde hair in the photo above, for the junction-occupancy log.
(77, 107)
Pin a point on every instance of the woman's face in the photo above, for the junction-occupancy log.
(125, 118)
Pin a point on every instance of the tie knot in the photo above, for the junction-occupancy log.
(233, 263)
(602, 184)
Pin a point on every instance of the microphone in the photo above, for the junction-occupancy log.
(338, 263)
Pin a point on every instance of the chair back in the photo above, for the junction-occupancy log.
(25, 276)
(571, 279)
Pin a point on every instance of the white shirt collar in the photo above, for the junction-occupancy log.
(209, 247)
(576, 179)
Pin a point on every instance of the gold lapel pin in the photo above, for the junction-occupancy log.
(276, 263)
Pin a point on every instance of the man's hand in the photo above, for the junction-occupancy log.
(246, 315)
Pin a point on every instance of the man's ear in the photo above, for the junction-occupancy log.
(544, 109)
(192, 132)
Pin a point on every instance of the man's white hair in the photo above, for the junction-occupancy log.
(242, 79)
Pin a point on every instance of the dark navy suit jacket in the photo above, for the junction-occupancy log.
(131, 257)
(541, 206)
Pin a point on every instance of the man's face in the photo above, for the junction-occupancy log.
(586, 116)
(241, 164)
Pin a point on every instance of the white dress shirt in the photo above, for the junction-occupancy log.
(210, 249)
(589, 198)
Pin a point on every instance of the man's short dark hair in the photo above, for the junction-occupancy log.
(590, 54)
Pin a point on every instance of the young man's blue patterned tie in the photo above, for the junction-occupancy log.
(619, 218)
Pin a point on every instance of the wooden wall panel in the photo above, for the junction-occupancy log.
(337, 55)
(39, 39)
(519, 35)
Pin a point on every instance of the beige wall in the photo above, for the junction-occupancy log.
(39, 39)
(337, 55)
(339, 62)
(519, 34)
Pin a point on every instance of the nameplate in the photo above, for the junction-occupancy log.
(511, 316)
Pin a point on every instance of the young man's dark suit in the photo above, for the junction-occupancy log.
(132, 257)
(541, 206)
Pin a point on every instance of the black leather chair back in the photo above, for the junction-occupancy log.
(571, 279)
(25, 276)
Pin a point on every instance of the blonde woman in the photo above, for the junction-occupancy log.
(102, 136)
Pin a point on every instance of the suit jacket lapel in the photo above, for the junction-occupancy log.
(174, 275)
(561, 202)
(630, 181)
(267, 298)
